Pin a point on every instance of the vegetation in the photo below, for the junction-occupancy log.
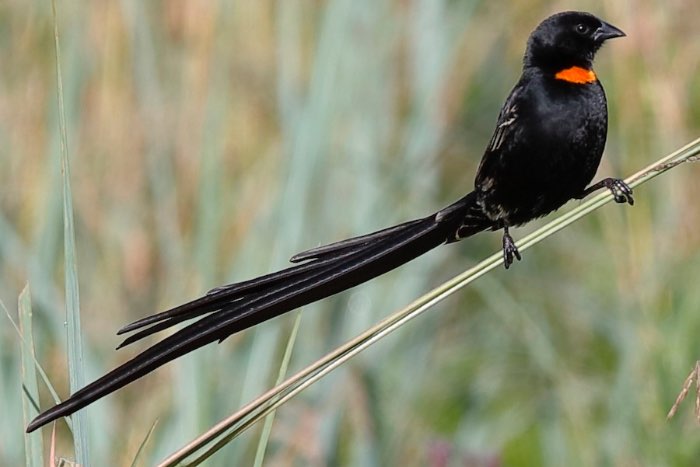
(209, 141)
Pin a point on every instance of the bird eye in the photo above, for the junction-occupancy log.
(582, 28)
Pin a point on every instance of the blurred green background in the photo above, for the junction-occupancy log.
(209, 141)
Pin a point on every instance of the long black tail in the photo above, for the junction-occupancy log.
(324, 271)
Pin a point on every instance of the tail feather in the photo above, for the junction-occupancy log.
(243, 295)
(213, 299)
(230, 309)
(351, 244)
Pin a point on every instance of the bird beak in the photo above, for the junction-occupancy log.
(607, 31)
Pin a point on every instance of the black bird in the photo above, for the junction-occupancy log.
(546, 148)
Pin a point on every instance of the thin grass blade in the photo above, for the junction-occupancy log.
(75, 347)
(38, 367)
(267, 427)
(143, 444)
(33, 450)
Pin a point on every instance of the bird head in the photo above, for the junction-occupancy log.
(568, 39)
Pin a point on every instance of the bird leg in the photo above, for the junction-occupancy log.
(620, 190)
(509, 248)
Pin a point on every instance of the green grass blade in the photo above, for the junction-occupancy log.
(143, 444)
(267, 427)
(33, 450)
(75, 347)
(38, 367)
(255, 411)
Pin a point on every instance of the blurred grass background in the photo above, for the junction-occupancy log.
(211, 140)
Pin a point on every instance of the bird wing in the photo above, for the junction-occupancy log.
(507, 119)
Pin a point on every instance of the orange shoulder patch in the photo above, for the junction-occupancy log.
(576, 75)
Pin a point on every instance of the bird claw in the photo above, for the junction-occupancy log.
(620, 190)
(510, 251)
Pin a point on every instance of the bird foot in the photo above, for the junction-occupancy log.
(620, 190)
(510, 251)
